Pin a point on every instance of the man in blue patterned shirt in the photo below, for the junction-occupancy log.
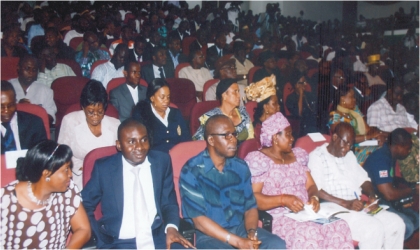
(217, 195)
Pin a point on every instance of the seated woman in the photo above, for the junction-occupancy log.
(302, 104)
(346, 110)
(197, 73)
(165, 124)
(282, 182)
(89, 128)
(264, 93)
(228, 93)
(43, 203)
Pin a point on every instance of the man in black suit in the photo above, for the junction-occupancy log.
(137, 53)
(180, 32)
(217, 50)
(159, 67)
(174, 55)
(126, 96)
(133, 218)
(153, 42)
(19, 130)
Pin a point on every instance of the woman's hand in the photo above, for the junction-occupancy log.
(292, 202)
(315, 203)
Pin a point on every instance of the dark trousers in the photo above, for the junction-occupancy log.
(409, 216)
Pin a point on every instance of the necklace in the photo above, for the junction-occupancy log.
(34, 199)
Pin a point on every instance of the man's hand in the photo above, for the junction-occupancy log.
(372, 207)
(292, 202)
(356, 205)
(172, 235)
(245, 243)
(315, 204)
(252, 235)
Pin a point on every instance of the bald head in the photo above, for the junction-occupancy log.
(129, 123)
(342, 140)
(213, 123)
(343, 128)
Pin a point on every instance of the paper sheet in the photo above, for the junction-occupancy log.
(12, 156)
(369, 143)
(316, 137)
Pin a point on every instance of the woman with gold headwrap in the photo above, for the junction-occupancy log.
(264, 93)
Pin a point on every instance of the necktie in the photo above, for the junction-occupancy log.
(144, 237)
(8, 141)
(220, 53)
(139, 59)
(161, 73)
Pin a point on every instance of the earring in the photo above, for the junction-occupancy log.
(47, 179)
(276, 143)
(266, 112)
(344, 102)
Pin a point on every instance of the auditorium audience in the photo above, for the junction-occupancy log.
(175, 55)
(126, 38)
(164, 123)
(159, 68)
(136, 53)
(43, 205)
(53, 40)
(88, 128)
(10, 43)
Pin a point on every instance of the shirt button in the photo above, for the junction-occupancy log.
(167, 141)
(167, 132)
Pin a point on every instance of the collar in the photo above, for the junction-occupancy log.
(359, 91)
(127, 165)
(209, 165)
(156, 113)
(170, 52)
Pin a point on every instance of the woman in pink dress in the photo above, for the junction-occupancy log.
(282, 183)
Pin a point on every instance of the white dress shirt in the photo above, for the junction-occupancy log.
(134, 93)
(156, 71)
(38, 94)
(106, 72)
(60, 70)
(15, 130)
(164, 120)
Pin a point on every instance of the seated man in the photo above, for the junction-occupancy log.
(159, 67)
(196, 72)
(53, 40)
(126, 38)
(136, 54)
(133, 218)
(49, 69)
(243, 65)
(341, 180)
(154, 41)
(217, 50)
(19, 130)
(380, 166)
(29, 90)
(90, 53)
(174, 56)
(126, 96)
(217, 195)
(113, 68)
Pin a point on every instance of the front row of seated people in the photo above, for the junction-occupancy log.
(216, 192)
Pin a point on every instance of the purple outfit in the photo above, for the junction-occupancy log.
(291, 179)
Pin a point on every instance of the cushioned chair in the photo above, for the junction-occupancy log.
(38, 111)
(7, 175)
(117, 82)
(247, 147)
(308, 145)
(95, 64)
(179, 67)
(186, 44)
(251, 73)
(182, 95)
(207, 85)
(67, 91)
(250, 109)
(73, 65)
(198, 110)
(9, 67)
(75, 41)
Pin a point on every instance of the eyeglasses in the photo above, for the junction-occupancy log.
(92, 113)
(346, 143)
(231, 68)
(228, 136)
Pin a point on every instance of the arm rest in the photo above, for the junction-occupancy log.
(187, 231)
(266, 219)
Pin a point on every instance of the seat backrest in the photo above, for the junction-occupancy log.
(67, 91)
(7, 175)
(179, 67)
(186, 44)
(96, 64)
(287, 90)
(75, 42)
(250, 109)
(88, 164)
(198, 110)
(182, 95)
(312, 64)
(115, 82)
(251, 73)
(308, 145)
(38, 111)
(9, 67)
(247, 147)
(207, 85)
(73, 65)
(180, 154)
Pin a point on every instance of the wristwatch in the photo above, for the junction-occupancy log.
(374, 196)
(316, 197)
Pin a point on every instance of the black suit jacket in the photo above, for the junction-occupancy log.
(106, 186)
(132, 56)
(213, 54)
(31, 130)
(175, 33)
(120, 97)
(148, 75)
(148, 52)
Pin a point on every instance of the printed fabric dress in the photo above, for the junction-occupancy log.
(291, 179)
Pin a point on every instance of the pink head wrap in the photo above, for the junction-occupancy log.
(272, 126)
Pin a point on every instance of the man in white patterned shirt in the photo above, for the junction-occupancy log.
(342, 180)
(387, 114)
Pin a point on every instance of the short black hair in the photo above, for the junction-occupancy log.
(127, 123)
(94, 93)
(210, 122)
(7, 86)
(157, 49)
(400, 137)
(238, 46)
(88, 34)
(139, 39)
(128, 63)
(121, 46)
(52, 30)
(27, 57)
(173, 38)
(46, 155)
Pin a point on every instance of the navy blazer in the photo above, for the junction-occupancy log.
(148, 75)
(105, 186)
(120, 97)
(164, 138)
(31, 130)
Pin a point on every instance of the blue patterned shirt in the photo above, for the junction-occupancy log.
(86, 63)
(224, 197)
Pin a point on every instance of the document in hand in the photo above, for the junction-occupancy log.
(325, 215)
